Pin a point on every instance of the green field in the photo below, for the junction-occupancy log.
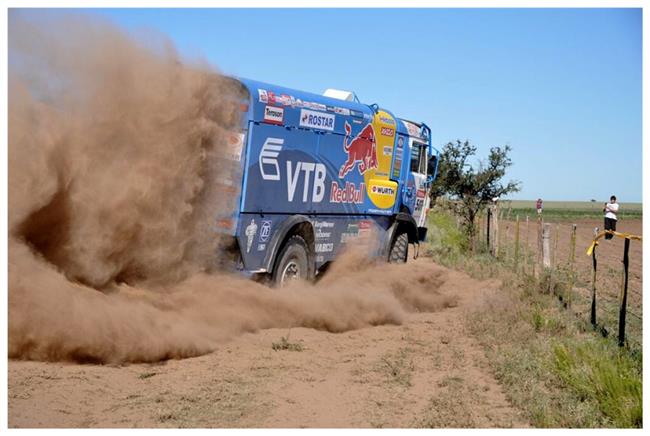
(570, 209)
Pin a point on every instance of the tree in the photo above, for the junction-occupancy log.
(470, 188)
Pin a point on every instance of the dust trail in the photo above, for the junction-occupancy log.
(116, 174)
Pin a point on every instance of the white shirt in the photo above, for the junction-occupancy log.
(610, 211)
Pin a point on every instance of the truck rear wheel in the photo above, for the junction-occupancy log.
(292, 262)
(400, 249)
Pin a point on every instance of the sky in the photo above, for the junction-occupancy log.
(562, 87)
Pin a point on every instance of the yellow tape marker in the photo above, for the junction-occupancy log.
(617, 234)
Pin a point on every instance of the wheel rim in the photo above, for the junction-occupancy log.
(290, 272)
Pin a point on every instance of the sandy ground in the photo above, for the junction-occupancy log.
(426, 372)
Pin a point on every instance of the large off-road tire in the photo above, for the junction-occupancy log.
(292, 263)
(400, 250)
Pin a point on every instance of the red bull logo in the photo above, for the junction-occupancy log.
(361, 150)
(348, 194)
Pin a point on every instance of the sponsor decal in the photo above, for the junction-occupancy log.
(285, 99)
(356, 114)
(349, 194)
(357, 121)
(261, 247)
(380, 211)
(269, 158)
(361, 150)
(421, 193)
(342, 111)
(264, 98)
(320, 227)
(382, 190)
(315, 106)
(250, 232)
(265, 231)
(387, 120)
(412, 129)
(316, 120)
(387, 131)
(352, 232)
(270, 97)
(306, 169)
(330, 109)
(273, 114)
(365, 226)
(324, 247)
(235, 146)
(322, 235)
(397, 167)
(387, 150)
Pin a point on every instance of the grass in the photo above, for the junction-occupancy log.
(606, 376)
(552, 365)
(285, 345)
(146, 375)
(398, 367)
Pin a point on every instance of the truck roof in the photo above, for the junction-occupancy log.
(286, 106)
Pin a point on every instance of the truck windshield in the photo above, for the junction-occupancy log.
(418, 158)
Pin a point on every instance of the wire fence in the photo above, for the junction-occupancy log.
(599, 279)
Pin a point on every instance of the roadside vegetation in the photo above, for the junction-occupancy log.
(551, 364)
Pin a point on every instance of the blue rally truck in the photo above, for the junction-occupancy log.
(313, 172)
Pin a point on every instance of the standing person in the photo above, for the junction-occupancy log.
(539, 205)
(610, 209)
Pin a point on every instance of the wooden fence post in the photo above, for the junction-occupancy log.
(496, 232)
(517, 244)
(546, 245)
(539, 244)
(572, 257)
(557, 232)
(593, 287)
(623, 311)
(527, 248)
(489, 217)
(505, 234)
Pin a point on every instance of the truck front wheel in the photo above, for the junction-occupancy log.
(400, 249)
(292, 262)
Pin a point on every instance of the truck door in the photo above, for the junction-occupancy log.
(416, 190)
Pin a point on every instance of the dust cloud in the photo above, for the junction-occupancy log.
(117, 171)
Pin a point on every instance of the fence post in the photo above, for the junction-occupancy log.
(572, 258)
(489, 216)
(623, 312)
(539, 244)
(593, 287)
(497, 232)
(546, 254)
(517, 244)
(502, 235)
(526, 254)
(546, 246)
(557, 233)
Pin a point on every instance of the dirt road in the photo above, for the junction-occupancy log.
(427, 371)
